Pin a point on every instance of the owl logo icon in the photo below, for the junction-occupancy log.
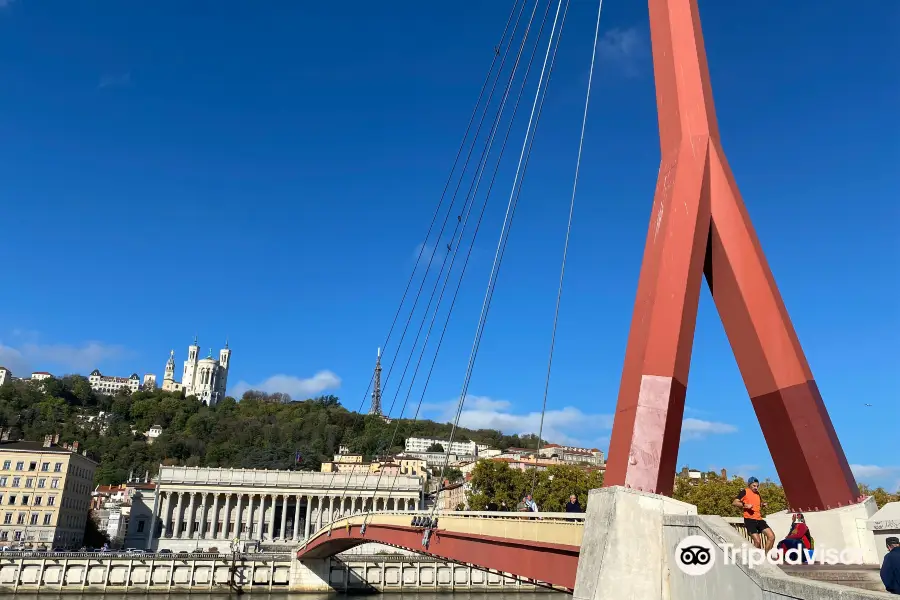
(695, 555)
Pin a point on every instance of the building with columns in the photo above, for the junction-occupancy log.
(199, 507)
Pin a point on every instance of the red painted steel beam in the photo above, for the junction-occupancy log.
(555, 564)
(700, 226)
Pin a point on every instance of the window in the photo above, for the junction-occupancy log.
(57, 467)
(29, 482)
(7, 518)
(34, 518)
(45, 466)
(12, 500)
(4, 535)
(47, 518)
(6, 465)
(16, 481)
(18, 536)
(140, 528)
(54, 484)
(32, 466)
(51, 501)
(21, 519)
(3, 481)
(19, 466)
(37, 500)
(42, 482)
(24, 500)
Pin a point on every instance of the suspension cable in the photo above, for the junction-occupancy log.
(475, 112)
(562, 269)
(472, 242)
(524, 158)
(468, 158)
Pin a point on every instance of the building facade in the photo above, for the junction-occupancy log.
(573, 454)
(109, 385)
(205, 378)
(5, 375)
(209, 507)
(45, 493)
(415, 444)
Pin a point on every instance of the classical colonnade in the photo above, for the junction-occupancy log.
(267, 517)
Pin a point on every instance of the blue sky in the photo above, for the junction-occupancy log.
(265, 171)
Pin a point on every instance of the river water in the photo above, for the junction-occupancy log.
(296, 596)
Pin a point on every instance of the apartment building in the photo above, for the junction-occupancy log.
(45, 492)
(466, 448)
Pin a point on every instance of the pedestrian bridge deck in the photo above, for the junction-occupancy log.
(540, 546)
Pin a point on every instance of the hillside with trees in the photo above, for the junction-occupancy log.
(260, 431)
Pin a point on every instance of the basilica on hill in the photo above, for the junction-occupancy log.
(205, 378)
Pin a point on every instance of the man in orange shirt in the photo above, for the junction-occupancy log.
(751, 503)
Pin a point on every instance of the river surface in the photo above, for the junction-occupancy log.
(297, 596)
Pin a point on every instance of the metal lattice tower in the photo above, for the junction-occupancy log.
(376, 388)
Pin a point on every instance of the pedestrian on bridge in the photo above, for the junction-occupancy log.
(751, 502)
(573, 506)
(890, 569)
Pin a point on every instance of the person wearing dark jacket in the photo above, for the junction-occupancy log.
(572, 506)
(890, 569)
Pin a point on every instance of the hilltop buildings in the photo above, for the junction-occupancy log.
(204, 378)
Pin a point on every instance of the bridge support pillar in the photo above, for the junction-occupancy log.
(623, 552)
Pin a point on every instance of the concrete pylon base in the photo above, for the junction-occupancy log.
(623, 551)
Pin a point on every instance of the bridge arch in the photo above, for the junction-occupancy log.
(543, 547)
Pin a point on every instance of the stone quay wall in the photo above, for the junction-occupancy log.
(80, 572)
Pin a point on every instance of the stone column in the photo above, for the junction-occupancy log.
(192, 515)
(321, 505)
(214, 520)
(238, 520)
(204, 501)
(250, 498)
(226, 518)
(167, 507)
(272, 517)
(331, 509)
(262, 513)
(177, 515)
(284, 510)
(308, 517)
(296, 518)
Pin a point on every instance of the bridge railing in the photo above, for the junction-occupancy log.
(148, 555)
(738, 524)
(574, 518)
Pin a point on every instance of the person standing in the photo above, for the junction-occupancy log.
(751, 503)
(890, 569)
(572, 506)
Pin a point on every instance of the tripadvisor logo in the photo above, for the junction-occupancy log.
(696, 555)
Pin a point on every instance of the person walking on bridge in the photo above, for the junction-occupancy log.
(890, 569)
(751, 503)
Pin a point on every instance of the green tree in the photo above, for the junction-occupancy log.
(495, 482)
(435, 448)
(714, 495)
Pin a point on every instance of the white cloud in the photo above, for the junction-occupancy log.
(624, 48)
(568, 425)
(873, 472)
(430, 256)
(698, 429)
(294, 386)
(24, 358)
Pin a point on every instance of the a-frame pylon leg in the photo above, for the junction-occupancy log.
(699, 224)
(804, 446)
